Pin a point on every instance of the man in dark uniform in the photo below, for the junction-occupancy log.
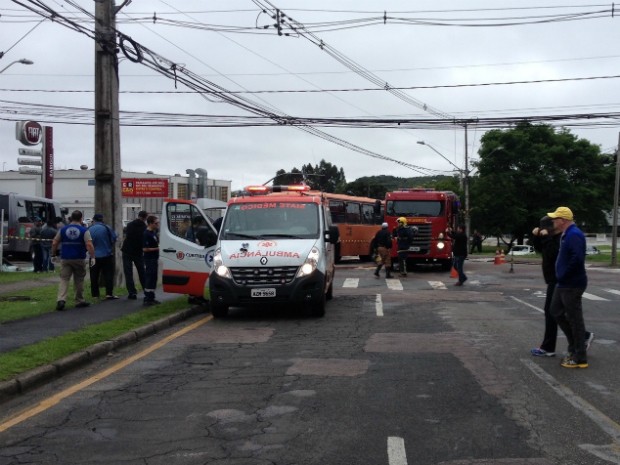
(383, 243)
(132, 253)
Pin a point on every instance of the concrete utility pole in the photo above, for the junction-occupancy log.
(466, 188)
(107, 134)
(614, 225)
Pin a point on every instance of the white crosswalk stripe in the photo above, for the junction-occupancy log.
(394, 284)
(587, 295)
(612, 291)
(351, 282)
(437, 285)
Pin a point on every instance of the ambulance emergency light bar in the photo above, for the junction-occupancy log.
(258, 190)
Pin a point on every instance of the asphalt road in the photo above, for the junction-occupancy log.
(408, 371)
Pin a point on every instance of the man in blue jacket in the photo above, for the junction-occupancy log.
(570, 272)
(104, 238)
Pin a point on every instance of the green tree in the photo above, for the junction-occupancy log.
(529, 170)
(324, 177)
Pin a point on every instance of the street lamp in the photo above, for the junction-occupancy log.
(421, 142)
(23, 61)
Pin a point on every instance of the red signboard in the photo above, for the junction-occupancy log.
(28, 132)
(144, 187)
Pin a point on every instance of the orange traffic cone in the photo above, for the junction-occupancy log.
(502, 257)
(498, 258)
(454, 273)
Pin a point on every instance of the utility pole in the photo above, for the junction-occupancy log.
(466, 188)
(107, 133)
(614, 225)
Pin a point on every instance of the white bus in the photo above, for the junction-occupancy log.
(19, 212)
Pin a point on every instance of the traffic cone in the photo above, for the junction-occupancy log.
(454, 273)
(497, 260)
(502, 257)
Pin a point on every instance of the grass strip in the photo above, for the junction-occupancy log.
(45, 352)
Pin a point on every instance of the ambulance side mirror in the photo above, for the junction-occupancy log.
(332, 235)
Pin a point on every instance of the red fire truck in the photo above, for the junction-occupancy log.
(431, 212)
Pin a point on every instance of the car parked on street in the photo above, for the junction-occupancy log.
(522, 250)
(592, 250)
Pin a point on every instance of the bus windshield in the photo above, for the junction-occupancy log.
(415, 208)
(271, 220)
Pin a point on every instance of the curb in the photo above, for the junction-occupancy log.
(46, 373)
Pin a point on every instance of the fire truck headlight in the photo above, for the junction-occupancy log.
(310, 263)
(440, 245)
(218, 265)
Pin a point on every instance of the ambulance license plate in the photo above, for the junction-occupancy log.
(414, 249)
(264, 292)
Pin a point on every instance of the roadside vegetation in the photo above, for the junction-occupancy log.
(40, 298)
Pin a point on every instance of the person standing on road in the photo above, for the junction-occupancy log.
(104, 238)
(572, 280)
(459, 251)
(35, 238)
(48, 233)
(546, 241)
(133, 254)
(476, 242)
(404, 238)
(151, 257)
(383, 243)
(76, 241)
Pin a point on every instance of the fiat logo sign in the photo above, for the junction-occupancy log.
(29, 132)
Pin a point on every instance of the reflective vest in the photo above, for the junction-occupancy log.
(72, 241)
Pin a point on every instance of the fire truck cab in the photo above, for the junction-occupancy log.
(431, 212)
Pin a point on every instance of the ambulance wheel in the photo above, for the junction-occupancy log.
(219, 310)
(317, 308)
(330, 291)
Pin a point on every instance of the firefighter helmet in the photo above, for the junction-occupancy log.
(402, 220)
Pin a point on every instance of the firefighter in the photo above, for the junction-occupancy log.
(382, 243)
(404, 238)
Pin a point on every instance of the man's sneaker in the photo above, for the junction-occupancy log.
(570, 362)
(60, 305)
(538, 352)
(589, 340)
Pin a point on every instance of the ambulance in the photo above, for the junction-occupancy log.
(276, 245)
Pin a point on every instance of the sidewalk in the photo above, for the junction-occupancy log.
(20, 333)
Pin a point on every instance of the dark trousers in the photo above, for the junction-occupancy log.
(150, 279)
(46, 258)
(459, 262)
(567, 310)
(37, 261)
(551, 325)
(103, 267)
(128, 263)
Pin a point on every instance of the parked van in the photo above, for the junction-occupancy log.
(20, 212)
(275, 245)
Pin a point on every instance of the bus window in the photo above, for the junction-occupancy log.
(353, 213)
(336, 207)
(368, 214)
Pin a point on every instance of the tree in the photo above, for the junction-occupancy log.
(529, 170)
(324, 177)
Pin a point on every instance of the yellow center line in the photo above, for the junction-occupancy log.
(55, 399)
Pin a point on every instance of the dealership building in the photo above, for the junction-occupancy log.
(75, 189)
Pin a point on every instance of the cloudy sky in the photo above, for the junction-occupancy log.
(445, 59)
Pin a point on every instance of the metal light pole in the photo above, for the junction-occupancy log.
(23, 61)
(614, 226)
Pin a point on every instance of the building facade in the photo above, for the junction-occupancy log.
(75, 189)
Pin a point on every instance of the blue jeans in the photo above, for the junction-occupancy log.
(150, 279)
(459, 261)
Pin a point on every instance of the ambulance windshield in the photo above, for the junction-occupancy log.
(264, 220)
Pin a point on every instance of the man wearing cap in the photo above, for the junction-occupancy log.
(383, 243)
(570, 272)
(133, 254)
(104, 238)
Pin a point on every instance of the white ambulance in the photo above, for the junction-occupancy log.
(276, 245)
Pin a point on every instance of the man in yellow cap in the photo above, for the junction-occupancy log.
(572, 281)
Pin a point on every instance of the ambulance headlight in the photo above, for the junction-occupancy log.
(218, 265)
(440, 245)
(310, 263)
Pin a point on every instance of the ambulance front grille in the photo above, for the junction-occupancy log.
(264, 276)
